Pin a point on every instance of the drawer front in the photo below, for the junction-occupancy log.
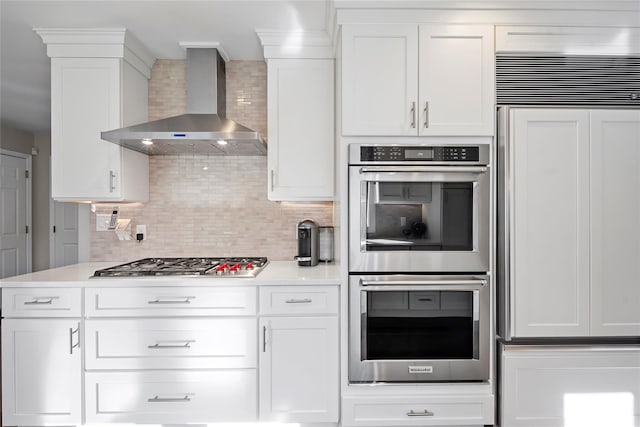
(40, 302)
(170, 301)
(547, 387)
(171, 343)
(415, 411)
(171, 397)
(299, 300)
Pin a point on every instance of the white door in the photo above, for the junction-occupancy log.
(379, 79)
(65, 234)
(615, 223)
(550, 247)
(14, 216)
(456, 80)
(41, 370)
(299, 369)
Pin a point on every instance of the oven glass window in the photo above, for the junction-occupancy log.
(419, 325)
(418, 216)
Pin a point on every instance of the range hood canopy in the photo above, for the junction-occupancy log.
(204, 129)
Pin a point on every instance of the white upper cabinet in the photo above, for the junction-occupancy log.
(300, 104)
(99, 82)
(379, 79)
(402, 79)
(457, 80)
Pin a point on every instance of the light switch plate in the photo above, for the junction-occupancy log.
(102, 222)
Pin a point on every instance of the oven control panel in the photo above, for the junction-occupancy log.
(395, 153)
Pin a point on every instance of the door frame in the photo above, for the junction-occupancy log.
(28, 159)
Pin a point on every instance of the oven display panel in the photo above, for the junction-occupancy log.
(412, 154)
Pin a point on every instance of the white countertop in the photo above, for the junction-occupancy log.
(275, 273)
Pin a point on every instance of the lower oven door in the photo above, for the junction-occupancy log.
(414, 328)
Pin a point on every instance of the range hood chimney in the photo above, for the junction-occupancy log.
(205, 128)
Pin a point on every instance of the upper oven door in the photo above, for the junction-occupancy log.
(419, 218)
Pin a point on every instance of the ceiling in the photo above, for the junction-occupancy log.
(158, 24)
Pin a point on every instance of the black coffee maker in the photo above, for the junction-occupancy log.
(308, 243)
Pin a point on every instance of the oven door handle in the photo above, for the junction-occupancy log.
(428, 169)
(393, 285)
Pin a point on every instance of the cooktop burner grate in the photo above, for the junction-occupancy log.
(213, 267)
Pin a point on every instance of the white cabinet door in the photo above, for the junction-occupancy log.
(379, 79)
(550, 243)
(615, 223)
(86, 99)
(562, 387)
(41, 372)
(301, 133)
(457, 80)
(299, 369)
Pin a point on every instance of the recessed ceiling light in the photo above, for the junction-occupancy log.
(147, 141)
(222, 142)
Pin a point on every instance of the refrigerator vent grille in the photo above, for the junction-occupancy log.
(568, 80)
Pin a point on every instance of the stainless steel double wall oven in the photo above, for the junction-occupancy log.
(419, 298)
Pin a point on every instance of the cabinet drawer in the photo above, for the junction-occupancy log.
(171, 301)
(171, 343)
(39, 302)
(171, 397)
(411, 411)
(556, 387)
(299, 300)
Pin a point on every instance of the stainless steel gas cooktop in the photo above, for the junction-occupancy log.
(187, 267)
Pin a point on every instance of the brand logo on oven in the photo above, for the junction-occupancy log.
(421, 369)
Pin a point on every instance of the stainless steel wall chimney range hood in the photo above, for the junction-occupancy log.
(204, 129)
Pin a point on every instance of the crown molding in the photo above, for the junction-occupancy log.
(97, 43)
(296, 44)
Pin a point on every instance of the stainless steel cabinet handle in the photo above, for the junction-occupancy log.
(273, 179)
(158, 399)
(176, 300)
(187, 344)
(112, 181)
(413, 115)
(264, 339)
(299, 301)
(426, 114)
(424, 413)
(72, 332)
(40, 301)
(425, 299)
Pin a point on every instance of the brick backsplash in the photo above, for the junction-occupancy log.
(209, 205)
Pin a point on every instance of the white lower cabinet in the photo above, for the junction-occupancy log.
(299, 357)
(172, 396)
(434, 410)
(41, 372)
(570, 386)
(171, 355)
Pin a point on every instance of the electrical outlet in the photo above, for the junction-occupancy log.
(102, 222)
(141, 229)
